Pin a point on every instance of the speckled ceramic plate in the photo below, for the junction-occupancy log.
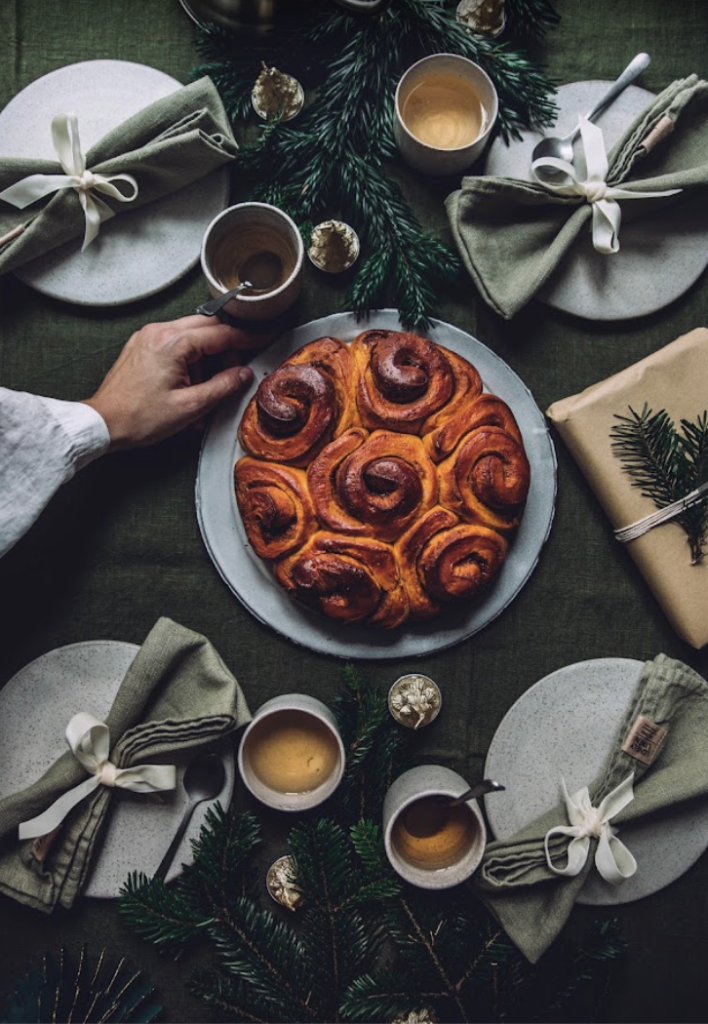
(660, 255)
(139, 252)
(565, 725)
(37, 704)
(250, 578)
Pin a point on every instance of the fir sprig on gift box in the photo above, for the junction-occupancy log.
(332, 160)
(667, 464)
(365, 945)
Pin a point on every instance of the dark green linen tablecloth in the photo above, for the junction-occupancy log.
(120, 546)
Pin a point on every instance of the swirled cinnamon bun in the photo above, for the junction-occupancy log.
(301, 406)
(275, 506)
(486, 411)
(351, 579)
(403, 379)
(486, 479)
(372, 485)
(443, 560)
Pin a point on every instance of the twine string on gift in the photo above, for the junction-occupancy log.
(662, 515)
(606, 212)
(89, 740)
(612, 858)
(65, 136)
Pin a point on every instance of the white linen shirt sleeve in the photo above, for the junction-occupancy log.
(43, 442)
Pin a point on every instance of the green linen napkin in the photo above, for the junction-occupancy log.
(531, 902)
(512, 235)
(165, 146)
(176, 695)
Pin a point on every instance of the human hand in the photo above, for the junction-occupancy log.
(150, 391)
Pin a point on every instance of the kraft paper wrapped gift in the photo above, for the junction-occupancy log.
(674, 379)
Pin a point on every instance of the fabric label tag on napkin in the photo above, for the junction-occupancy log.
(644, 739)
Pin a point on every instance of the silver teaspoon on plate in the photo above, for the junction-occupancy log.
(203, 780)
(562, 148)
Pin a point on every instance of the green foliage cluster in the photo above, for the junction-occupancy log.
(332, 161)
(667, 464)
(365, 945)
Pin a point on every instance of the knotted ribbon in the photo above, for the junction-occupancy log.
(606, 212)
(65, 136)
(612, 859)
(89, 740)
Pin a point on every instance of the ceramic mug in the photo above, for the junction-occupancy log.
(259, 243)
(291, 755)
(444, 112)
(428, 843)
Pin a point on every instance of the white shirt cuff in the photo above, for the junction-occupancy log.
(85, 430)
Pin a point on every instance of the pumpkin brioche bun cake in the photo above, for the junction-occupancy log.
(380, 481)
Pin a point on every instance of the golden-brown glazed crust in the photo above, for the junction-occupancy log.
(402, 380)
(372, 485)
(275, 506)
(486, 411)
(301, 406)
(486, 479)
(352, 579)
(381, 482)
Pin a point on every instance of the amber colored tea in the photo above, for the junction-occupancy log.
(291, 751)
(253, 252)
(444, 110)
(430, 834)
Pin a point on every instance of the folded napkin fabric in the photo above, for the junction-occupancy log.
(531, 902)
(165, 146)
(513, 235)
(176, 695)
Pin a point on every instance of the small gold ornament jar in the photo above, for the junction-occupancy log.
(281, 882)
(485, 16)
(276, 94)
(414, 700)
(334, 246)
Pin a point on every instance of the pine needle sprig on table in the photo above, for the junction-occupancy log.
(667, 464)
(529, 19)
(330, 162)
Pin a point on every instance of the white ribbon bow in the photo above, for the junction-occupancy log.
(612, 859)
(89, 740)
(65, 136)
(606, 212)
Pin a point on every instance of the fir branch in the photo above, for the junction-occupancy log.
(667, 465)
(160, 915)
(530, 18)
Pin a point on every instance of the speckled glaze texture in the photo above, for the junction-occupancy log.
(430, 780)
(37, 704)
(661, 255)
(292, 801)
(139, 252)
(565, 725)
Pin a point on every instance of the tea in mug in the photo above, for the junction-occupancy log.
(430, 834)
(444, 110)
(255, 253)
(291, 751)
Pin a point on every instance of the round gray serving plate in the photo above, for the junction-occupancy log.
(661, 255)
(138, 252)
(37, 704)
(565, 725)
(251, 579)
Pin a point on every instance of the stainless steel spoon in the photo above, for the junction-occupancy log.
(562, 148)
(203, 780)
(485, 786)
(214, 306)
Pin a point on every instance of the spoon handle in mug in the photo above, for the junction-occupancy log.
(633, 69)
